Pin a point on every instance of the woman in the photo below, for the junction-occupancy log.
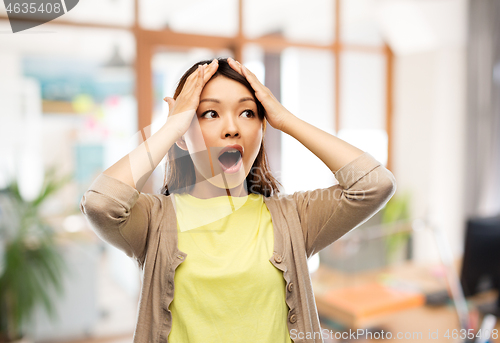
(221, 220)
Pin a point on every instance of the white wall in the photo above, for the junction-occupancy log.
(429, 125)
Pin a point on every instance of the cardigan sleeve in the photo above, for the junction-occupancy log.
(326, 214)
(119, 214)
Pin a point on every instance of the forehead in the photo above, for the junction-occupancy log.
(224, 89)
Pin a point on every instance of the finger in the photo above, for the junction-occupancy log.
(235, 65)
(191, 84)
(171, 102)
(260, 89)
(188, 85)
(199, 82)
(205, 75)
(193, 75)
(210, 70)
(245, 72)
(192, 79)
(252, 79)
(248, 73)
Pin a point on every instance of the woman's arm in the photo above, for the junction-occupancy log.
(135, 168)
(120, 215)
(333, 151)
(327, 214)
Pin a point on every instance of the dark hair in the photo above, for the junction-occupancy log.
(179, 169)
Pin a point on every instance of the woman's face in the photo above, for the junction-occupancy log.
(226, 115)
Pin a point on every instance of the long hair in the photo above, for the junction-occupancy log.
(179, 168)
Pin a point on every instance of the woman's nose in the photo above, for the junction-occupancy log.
(228, 134)
(230, 128)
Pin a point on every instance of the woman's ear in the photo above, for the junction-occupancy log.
(181, 143)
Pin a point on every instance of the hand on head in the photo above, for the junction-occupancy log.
(189, 98)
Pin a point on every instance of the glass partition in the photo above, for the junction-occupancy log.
(363, 103)
(307, 92)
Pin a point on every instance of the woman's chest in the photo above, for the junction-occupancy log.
(235, 247)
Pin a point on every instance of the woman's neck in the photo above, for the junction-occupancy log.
(205, 190)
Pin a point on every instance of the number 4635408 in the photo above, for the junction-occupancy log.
(32, 8)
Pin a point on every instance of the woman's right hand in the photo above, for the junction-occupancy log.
(182, 109)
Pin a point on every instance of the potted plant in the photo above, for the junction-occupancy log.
(396, 217)
(31, 263)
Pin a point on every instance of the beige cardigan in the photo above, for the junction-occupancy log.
(144, 226)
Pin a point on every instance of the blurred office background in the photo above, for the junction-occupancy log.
(413, 82)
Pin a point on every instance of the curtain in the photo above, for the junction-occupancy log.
(483, 109)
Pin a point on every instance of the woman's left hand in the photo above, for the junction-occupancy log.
(276, 113)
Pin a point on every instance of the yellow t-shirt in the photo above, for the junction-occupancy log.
(227, 290)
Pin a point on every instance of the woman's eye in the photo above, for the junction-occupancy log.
(250, 113)
(203, 115)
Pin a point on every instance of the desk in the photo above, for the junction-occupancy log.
(422, 319)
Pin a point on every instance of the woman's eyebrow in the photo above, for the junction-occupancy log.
(218, 101)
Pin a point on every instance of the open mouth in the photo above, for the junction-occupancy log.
(230, 158)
